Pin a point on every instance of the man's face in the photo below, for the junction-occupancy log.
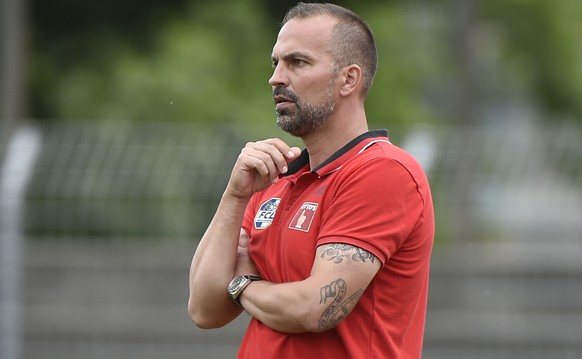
(303, 80)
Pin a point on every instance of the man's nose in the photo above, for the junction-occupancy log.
(278, 78)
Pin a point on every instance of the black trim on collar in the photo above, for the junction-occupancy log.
(303, 158)
(352, 144)
(298, 163)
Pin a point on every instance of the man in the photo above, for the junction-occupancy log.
(326, 248)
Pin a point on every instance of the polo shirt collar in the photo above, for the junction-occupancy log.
(340, 157)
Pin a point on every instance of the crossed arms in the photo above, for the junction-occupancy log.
(338, 279)
(339, 275)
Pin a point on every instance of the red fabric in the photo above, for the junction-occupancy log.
(377, 199)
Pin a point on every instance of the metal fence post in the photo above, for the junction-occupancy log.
(22, 150)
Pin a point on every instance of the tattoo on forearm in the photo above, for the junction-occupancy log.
(336, 252)
(339, 308)
(336, 289)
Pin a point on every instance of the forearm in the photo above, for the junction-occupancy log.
(339, 276)
(285, 307)
(213, 266)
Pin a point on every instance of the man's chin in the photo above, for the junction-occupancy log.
(285, 124)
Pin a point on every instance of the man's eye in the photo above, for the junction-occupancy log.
(299, 62)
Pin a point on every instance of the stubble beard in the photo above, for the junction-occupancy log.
(304, 118)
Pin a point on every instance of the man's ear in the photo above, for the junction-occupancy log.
(352, 79)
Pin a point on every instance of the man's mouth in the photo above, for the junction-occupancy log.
(282, 101)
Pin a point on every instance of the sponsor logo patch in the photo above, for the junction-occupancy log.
(304, 217)
(266, 213)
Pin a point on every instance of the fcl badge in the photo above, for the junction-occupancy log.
(304, 217)
(266, 213)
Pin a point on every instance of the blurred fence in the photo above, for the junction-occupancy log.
(114, 180)
(113, 211)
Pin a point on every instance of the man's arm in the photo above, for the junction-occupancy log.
(339, 277)
(213, 266)
(214, 262)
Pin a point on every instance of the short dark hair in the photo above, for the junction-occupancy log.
(352, 41)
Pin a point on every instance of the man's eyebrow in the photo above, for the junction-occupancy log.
(292, 55)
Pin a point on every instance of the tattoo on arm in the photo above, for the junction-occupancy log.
(336, 252)
(338, 308)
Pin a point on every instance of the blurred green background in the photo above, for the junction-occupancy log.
(208, 62)
(120, 121)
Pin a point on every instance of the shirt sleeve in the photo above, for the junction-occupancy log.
(375, 208)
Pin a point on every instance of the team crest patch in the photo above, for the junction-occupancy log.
(304, 217)
(266, 213)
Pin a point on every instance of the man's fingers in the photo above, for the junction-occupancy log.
(277, 150)
(278, 153)
(258, 158)
(287, 153)
(259, 164)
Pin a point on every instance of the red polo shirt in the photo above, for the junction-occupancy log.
(369, 194)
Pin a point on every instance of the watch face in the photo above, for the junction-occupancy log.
(235, 284)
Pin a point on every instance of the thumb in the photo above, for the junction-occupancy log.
(243, 239)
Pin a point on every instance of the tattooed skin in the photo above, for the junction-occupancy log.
(339, 308)
(336, 252)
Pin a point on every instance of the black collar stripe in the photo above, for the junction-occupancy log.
(303, 159)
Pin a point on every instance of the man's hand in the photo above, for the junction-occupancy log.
(258, 166)
(244, 262)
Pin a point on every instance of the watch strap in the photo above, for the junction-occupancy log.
(251, 278)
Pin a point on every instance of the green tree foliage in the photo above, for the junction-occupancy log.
(212, 65)
(412, 63)
(539, 43)
(67, 35)
(209, 65)
(188, 60)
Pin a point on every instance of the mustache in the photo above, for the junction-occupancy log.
(288, 94)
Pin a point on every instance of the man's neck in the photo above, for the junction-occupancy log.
(336, 133)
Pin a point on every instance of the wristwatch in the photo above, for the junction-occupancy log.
(238, 284)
